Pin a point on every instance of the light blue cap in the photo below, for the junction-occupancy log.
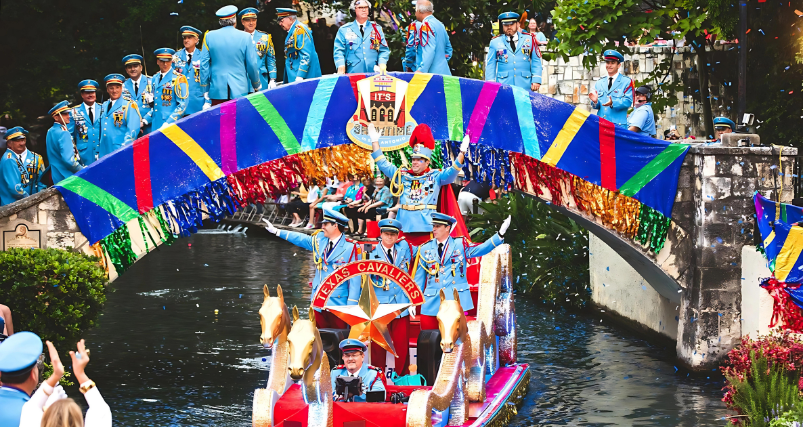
(190, 31)
(248, 12)
(723, 122)
(390, 224)
(164, 54)
(59, 108)
(132, 59)
(227, 12)
(336, 217)
(16, 132)
(612, 55)
(509, 17)
(88, 85)
(20, 351)
(442, 219)
(350, 344)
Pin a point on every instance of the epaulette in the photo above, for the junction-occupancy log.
(496, 36)
(340, 367)
(374, 368)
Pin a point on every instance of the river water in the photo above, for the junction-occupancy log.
(161, 356)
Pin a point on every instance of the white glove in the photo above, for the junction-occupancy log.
(464, 144)
(505, 225)
(411, 310)
(271, 229)
(272, 84)
(206, 96)
(376, 68)
(207, 105)
(258, 88)
(373, 133)
(58, 394)
(148, 98)
(144, 122)
(299, 79)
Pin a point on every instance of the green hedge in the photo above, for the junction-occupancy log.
(55, 293)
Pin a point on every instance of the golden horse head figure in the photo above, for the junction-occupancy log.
(451, 322)
(306, 348)
(274, 317)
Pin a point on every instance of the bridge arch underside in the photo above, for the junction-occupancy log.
(257, 147)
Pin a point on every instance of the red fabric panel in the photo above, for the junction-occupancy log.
(328, 320)
(399, 334)
(291, 407)
(142, 175)
(607, 154)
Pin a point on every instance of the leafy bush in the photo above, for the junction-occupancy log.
(550, 251)
(54, 293)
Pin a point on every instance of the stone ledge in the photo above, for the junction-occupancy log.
(27, 202)
(710, 149)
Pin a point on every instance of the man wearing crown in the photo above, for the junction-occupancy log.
(418, 187)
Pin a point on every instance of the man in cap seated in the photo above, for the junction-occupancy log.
(300, 57)
(399, 252)
(723, 125)
(642, 119)
(21, 365)
(442, 263)
(86, 119)
(330, 251)
(353, 366)
(187, 61)
(20, 170)
(61, 150)
(231, 69)
(171, 92)
(120, 117)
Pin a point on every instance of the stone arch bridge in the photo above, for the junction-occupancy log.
(672, 212)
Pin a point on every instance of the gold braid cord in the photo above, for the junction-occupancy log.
(616, 211)
(342, 161)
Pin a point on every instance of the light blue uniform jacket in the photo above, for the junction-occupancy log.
(230, 70)
(145, 86)
(86, 133)
(301, 59)
(119, 125)
(418, 190)
(344, 251)
(11, 400)
(61, 153)
(195, 101)
(621, 92)
(171, 92)
(520, 68)
(409, 61)
(21, 176)
(371, 379)
(644, 119)
(433, 273)
(402, 258)
(266, 56)
(434, 47)
(357, 52)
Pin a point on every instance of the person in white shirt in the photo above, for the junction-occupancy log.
(35, 411)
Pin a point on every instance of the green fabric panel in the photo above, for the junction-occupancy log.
(454, 107)
(100, 197)
(276, 122)
(652, 169)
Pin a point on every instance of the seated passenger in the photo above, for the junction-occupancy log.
(353, 357)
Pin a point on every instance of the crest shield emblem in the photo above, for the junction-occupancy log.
(381, 101)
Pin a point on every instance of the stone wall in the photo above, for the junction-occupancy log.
(570, 82)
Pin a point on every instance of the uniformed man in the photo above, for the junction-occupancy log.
(300, 58)
(120, 117)
(433, 48)
(399, 252)
(613, 94)
(409, 63)
(513, 56)
(353, 366)
(442, 263)
(86, 122)
(263, 43)
(330, 251)
(61, 150)
(187, 61)
(360, 45)
(20, 168)
(231, 69)
(21, 365)
(642, 119)
(723, 125)
(138, 87)
(171, 91)
(418, 186)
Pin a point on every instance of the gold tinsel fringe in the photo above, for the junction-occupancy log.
(616, 211)
(97, 250)
(342, 161)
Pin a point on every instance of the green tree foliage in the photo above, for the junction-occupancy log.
(768, 392)
(54, 293)
(550, 251)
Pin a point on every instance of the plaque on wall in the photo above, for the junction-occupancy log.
(22, 234)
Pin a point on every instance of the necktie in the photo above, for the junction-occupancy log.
(109, 110)
(440, 249)
(362, 31)
(390, 256)
(136, 88)
(610, 82)
(512, 44)
(189, 59)
(329, 248)
(92, 114)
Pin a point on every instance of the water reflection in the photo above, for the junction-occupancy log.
(162, 357)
